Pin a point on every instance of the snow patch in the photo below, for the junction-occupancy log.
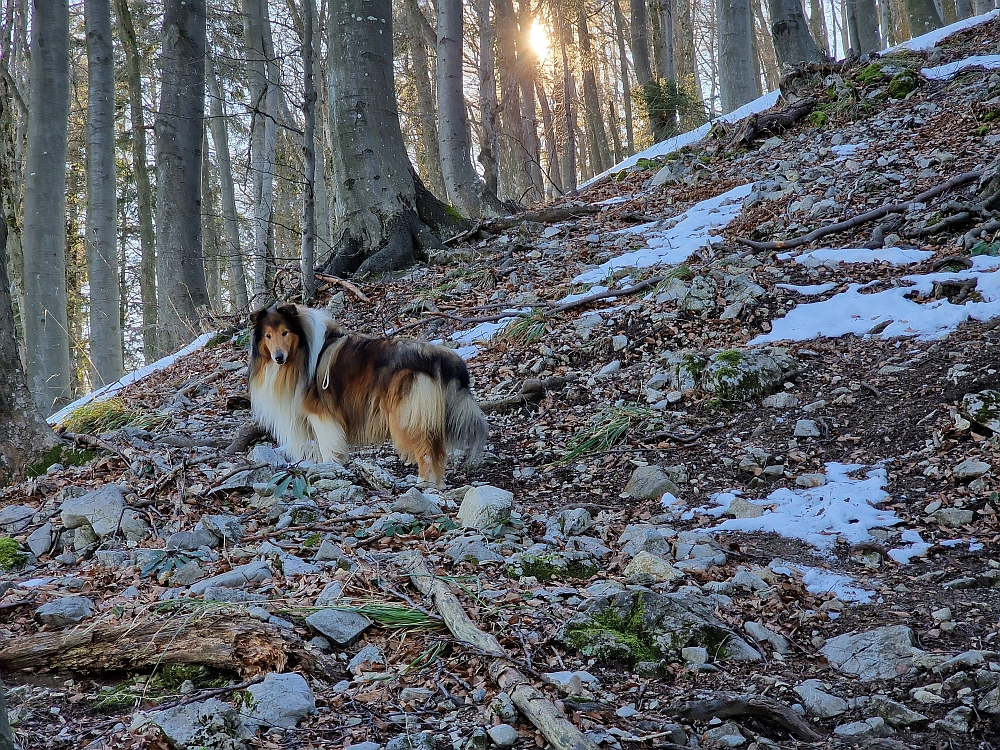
(809, 290)
(927, 42)
(820, 581)
(691, 231)
(917, 547)
(580, 295)
(109, 390)
(950, 70)
(897, 256)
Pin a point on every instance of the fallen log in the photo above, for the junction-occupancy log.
(768, 123)
(215, 640)
(551, 215)
(532, 391)
(531, 702)
(856, 221)
(728, 705)
(249, 433)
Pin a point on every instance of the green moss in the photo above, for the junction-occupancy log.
(645, 165)
(694, 365)
(547, 567)
(609, 637)
(903, 83)
(454, 213)
(730, 357)
(312, 540)
(11, 557)
(172, 676)
(218, 339)
(981, 130)
(116, 699)
(870, 74)
(59, 454)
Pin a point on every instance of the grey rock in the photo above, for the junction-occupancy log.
(572, 683)
(239, 577)
(69, 610)
(15, 518)
(700, 296)
(650, 483)
(83, 538)
(231, 596)
(696, 655)
(954, 518)
(111, 558)
(341, 627)
(567, 523)
(281, 700)
(806, 428)
(643, 537)
(671, 622)
(187, 574)
(983, 408)
(289, 564)
(192, 540)
(503, 735)
(990, 703)
(763, 635)
(105, 512)
(475, 551)
(970, 469)
(726, 736)
(653, 566)
(740, 374)
(782, 400)
(227, 528)
(880, 654)
(366, 657)
(742, 508)
(485, 508)
(544, 563)
(955, 721)
(265, 454)
(895, 714)
(39, 541)
(873, 727)
(364, 746)
(415, 695)
(412, 741)
(330, 552)
(206, 724)
(416, 503)
(819, 703)
(330, 594)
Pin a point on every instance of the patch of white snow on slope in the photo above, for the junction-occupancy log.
(109, 390)
(821, 581)
(853, 312)
(950, 70)
(691, 231)
(897, 256)
(927, 42)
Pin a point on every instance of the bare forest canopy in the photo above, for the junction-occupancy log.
(168, 166)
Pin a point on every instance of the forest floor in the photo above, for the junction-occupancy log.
(755, 506)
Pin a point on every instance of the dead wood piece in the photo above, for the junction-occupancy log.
(728, 705)
(352, 288)
(530, 701)
(192, 387)
(238, 644)
(771, 122)
(551, 215)
(248, 434)
(180, 441)
(92, 441)
(951, 260)
(860, 219)
(955, 291)
(532, 391)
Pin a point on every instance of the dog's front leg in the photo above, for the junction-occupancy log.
(330, 439)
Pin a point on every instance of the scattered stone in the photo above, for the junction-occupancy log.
(763, 635)
(330, 594)
(954, 518)
(955, 721)
(873, 727)
(210, 723)
(806, 428)
(339, 626)
(644, 537)
(572, 683)
(105, 512)
(473, 550)
(653, 566)
(810, 480)
(69, 610)
(231, 596)
(742, 508)
(39, 541)
(187, 574)
(111, 558)
(192, 540)
(485, 508)
(416, 503)
(15, 518)
(413, 741)
(880, 654)
(650, 483)
(781, 400)
(281, 700)
(253, 572)
(970, 469)
(895, 714)
(366, 657)
(567, 523)
(983, 408)
(741, 374)
(503, 735)
(819, 703)
(503, 708)
(695, 655)
(544, 563)
(330, 552)
(227, 528)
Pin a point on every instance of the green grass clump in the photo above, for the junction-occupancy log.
(525, 329)
(111, 414)
(11, 557)
(607, 428)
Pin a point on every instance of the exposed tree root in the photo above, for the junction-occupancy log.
(344, 283)
(729, 705)
(860, 219)
(532, 391)
(551, 215)
(768, 123)
(213, 639)
(531, 702)
(249, 434)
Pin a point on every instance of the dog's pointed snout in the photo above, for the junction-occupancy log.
(279, 358)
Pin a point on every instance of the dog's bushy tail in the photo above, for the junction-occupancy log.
(466, 427)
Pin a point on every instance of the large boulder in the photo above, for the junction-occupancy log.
(650, 483)
(69, 610)
(643, 626)
(206, 724)
(880, 654)
(485, 508)
(104, 511)
(733, 374)
(281, 700)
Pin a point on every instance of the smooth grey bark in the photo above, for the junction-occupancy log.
(984, 6)
(466, 190)
(106, 359)
(378, 195)
(737, 82)
(489, 151)
(418, 33)
(553, 173)
(597, 136)
(180, 269)
(45, 321)
(24, 435)
(817, 25)
(308, 247)
(527, 63)
(569, 88)
(625, 83)
(923, 16)
(231, 226)
(640, 41)
(862, 26)
(790, 33)
(144, 192)
(963, 9)
(210, 243)
(668, 66)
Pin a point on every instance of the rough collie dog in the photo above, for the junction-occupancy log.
(320, 390)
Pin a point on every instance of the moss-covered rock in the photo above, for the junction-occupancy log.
(736, 375)
(903, 83)
(11, 556)
(643, 626)
(983, 408)
(549, 563)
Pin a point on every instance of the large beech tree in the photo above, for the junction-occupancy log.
(385, 216)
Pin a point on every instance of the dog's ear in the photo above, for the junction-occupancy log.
(289, 310)
(255, 317)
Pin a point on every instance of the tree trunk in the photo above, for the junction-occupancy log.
(792, 42)
(626, 85)
(45, 321)
(181, 289)
(597, 137)
(526, 74)
(513, 177)
(923, 16)
(862, 26)
(106, 362)
(417, 35)
(688, 78)
(210, 244)
(6, 735)
(817, 26)
(466, 191)
(377, 190)
(144, 193)
(308, 261)
(667, 63)
(569, 156)
(738, 84)
(640, 41)
(553, 174)
(984, 6)
(489, 151)
(230, 221)
(24, 435)
(963, 9)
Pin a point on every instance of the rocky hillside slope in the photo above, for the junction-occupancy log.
(736, 495)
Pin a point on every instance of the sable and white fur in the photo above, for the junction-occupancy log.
(321, 390)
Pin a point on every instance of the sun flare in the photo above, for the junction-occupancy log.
(539, 37)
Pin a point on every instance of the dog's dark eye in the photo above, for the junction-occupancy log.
(284, 333)
(267, 336)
